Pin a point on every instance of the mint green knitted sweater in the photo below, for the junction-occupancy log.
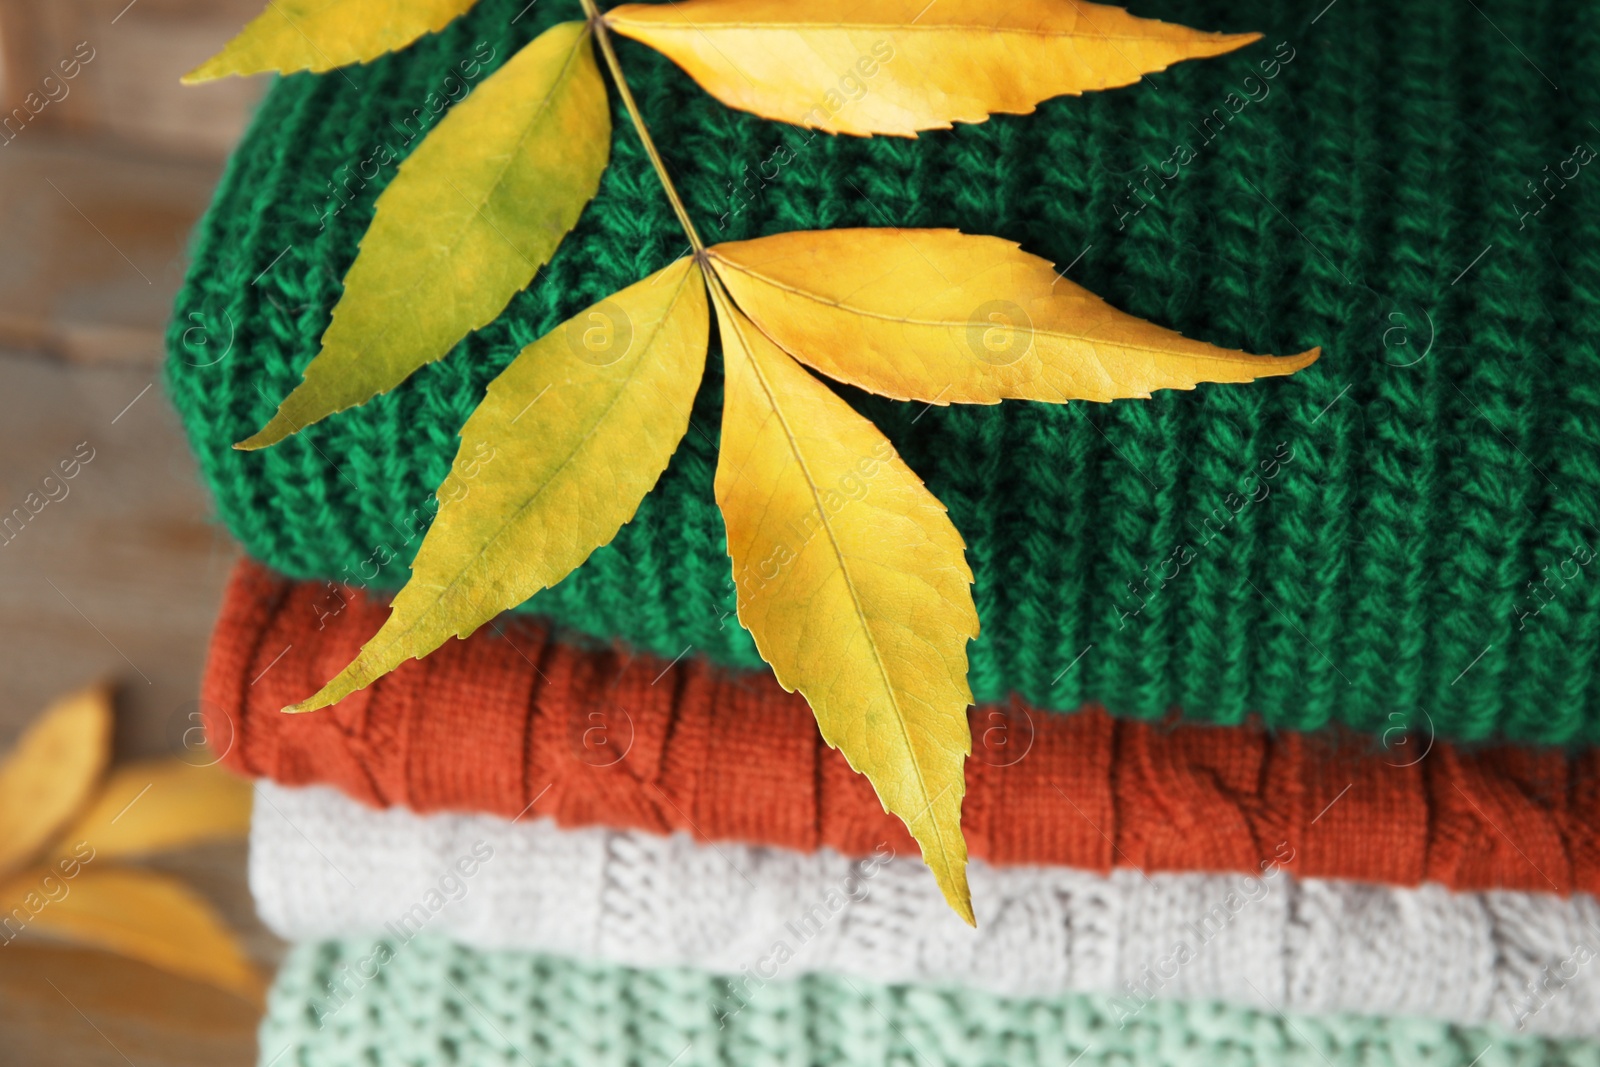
(1402, 534)
(427, 1003)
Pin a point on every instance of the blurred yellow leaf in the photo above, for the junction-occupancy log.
(140, 914)
(319, 35)
(48, 777)
(851, 579)
(569, 439)
(950, 318)
(467, 222)
(899, 66)
(161, 804)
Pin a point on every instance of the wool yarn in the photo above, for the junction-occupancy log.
(1403, 531)
(322, 865)
(429, 1003)
(518, 722)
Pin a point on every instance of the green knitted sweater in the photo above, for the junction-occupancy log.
(1400, 535)
(430, 1004)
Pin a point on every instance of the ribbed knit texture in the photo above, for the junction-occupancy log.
(523, 724)
(1423, 545)
(431, 1004)
(323, 866)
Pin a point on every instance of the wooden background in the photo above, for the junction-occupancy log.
(121, 579)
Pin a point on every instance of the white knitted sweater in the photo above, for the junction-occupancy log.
(322, 865)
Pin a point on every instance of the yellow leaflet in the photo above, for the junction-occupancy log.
(319, 35)
(569, 439)
(950, 318)
(898, 66)
(161, 804)
(139, 914)
(51, 772)
(851, 578)
(466, 223)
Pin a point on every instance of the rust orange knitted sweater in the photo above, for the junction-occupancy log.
(515, 722)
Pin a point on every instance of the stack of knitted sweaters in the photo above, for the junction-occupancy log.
(1287, 691)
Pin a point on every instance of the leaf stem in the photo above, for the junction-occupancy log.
(603, 34)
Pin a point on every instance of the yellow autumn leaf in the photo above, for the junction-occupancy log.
(567, 442)
(850, 574)
(899, 66)
(140, 914)
(51, 772)
(852, 581)
(320, 35)
(467, 222)
(951, 318)
(161, 804)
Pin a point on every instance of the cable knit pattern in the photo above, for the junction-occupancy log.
(323, 866)
(518, 722)
(1419, 553)
(428, 1003)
